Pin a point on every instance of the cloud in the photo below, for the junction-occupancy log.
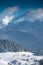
(7, 19)
(8, 11)
(32, 15)
(35, 15)
(7, 15)
(19, 20)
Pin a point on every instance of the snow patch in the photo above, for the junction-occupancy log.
(19, 58)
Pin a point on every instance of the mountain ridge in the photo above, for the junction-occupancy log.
(9, 46)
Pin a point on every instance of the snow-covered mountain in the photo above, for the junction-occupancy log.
(20, 58)
(13, 54)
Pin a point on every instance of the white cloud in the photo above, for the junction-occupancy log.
(35, 15)
(32, 16)
(7, 19)
(19, 20)
(6, 15)
(8, 11)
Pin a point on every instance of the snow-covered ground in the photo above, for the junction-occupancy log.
(19, 58)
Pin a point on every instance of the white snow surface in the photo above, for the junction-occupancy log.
(19, 58)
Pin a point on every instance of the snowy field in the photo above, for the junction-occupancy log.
(19, 58)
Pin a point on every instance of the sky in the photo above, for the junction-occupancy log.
(21, 3)
(11, 8)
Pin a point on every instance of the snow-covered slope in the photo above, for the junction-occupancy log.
(19, 58)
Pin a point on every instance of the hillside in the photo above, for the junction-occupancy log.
(9, 46)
